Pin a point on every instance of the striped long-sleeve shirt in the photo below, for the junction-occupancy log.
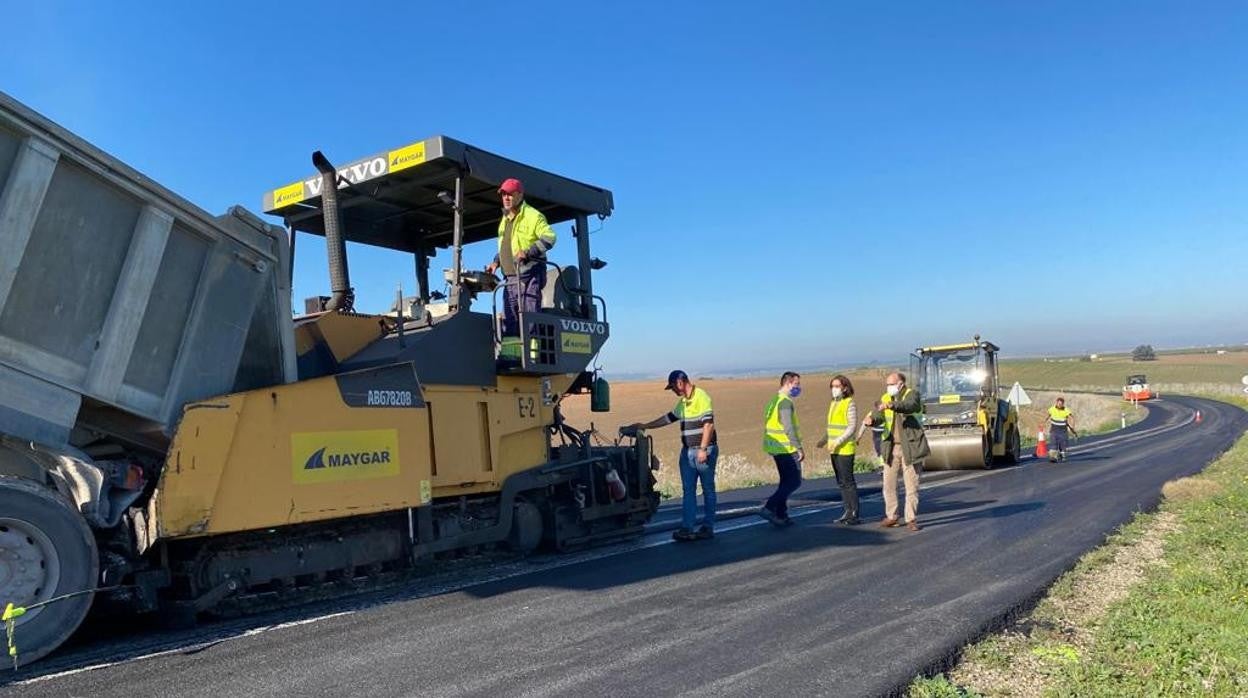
(693, 413)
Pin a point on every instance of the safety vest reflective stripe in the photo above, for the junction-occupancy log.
(529, 227)
(1058, 417)
(838, 421)
(693, 413)
(776, 439)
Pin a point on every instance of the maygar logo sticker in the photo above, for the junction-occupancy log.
(406, 157)
(337, 456)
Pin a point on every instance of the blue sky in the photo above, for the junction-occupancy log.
(796, 183)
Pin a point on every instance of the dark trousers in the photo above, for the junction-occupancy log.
(876, 437)
(1059, 438)
(843, 466)
(790, 480)
(521, 294)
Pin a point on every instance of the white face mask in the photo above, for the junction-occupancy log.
(836, 392)
(894, 389)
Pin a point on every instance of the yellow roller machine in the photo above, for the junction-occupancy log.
(968, 423)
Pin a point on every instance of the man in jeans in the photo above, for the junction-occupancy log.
(524, 238)
(698, 453)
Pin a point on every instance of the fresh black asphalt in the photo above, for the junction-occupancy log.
(815, 609)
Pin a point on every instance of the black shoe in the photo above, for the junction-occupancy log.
(704, 533)
(771, 516)
(683, 535)
(854, 521)
(786, 521)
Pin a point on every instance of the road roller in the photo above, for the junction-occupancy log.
(968, 423)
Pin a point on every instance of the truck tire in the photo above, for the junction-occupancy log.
(46, 551)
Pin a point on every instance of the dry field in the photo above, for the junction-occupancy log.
(739, 405)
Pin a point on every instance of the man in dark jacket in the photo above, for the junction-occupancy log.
(901, 418)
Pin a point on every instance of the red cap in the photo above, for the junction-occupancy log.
(511, 186)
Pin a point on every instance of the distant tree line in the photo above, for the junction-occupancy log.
(1144, 352)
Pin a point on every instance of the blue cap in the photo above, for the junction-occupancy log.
(675, 376)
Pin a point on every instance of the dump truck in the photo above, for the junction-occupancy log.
(967, 422)
(175, 439)
(1137, 389)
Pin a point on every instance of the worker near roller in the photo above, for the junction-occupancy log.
(698, 453)
(524, 238)
(842, 443)
(782, 440)
(1061, 428)
(905, 447)
(875, 422)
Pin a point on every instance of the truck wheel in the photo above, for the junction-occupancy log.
(46, 551)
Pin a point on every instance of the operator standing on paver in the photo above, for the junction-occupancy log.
(524, 238)
(698, 453)
(1061, 428)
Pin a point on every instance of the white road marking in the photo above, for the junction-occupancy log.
(183, 649)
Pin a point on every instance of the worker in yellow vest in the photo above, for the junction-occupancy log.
(1061, 428)
(880, 421)
(698, 454)
(782, 440)
(842, 443)
(524, 238)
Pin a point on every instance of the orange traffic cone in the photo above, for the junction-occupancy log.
(1042, 446)
(1198, 416)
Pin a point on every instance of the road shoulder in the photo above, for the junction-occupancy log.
(1158, 609)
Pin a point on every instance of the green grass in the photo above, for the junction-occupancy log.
(938, 687)
(1169, 372)
(1184, 631)
(1181, 630)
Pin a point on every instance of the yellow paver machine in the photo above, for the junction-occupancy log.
(173, 438)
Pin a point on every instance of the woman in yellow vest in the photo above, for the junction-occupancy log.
(782, 440)
(842, 443)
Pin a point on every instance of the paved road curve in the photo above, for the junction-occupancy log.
(810, 610)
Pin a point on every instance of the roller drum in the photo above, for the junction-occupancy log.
(956, 450)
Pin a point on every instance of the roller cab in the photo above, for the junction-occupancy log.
(968, 424)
